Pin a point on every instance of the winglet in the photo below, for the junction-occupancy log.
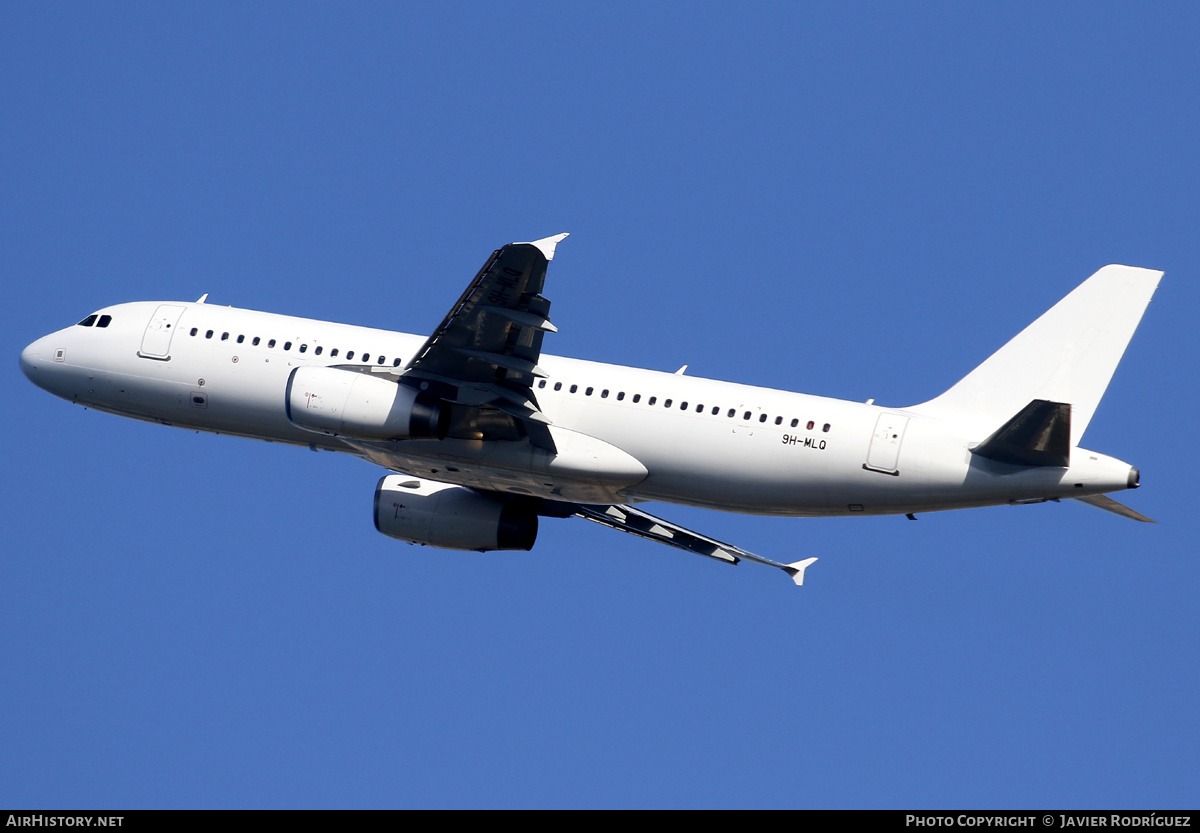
(796, 570)
(546, 244)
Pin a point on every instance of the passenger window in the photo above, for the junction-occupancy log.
(241, 339)
(620, 396)
(318, 350)
(366, 358)
(255, 341)
(651, 400)
(333, 353)
(826, 428)
(271, 343)
(716, 410)
(604, 394)
(637, 397)
(396, 362)
(349, 355)
(558, 385)
(778, 420)
(87, 322)
(683, 406)
(194, 331)
(209, 334)
(303, 348)
(574, 388)
(795, 422)
(224, 336)
(667, 403)
(762, 418)
(541, 383)
(588, 392)
(104, 321)
(731, 413)
(381, 359)
(746, 415)
(287, 345)
(810, 425)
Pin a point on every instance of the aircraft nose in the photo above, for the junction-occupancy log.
(31, 357)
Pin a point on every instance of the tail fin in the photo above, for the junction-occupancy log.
(1066, 356)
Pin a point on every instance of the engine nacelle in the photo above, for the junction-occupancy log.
(346, 403)
(451, 517)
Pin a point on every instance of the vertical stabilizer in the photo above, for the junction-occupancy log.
(1066, 356)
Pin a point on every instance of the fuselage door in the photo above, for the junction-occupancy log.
(156, 343)
(884, 453)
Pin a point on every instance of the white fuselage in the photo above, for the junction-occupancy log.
(701, 442)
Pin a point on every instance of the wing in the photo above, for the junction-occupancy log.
(644, 525)
(483, 356)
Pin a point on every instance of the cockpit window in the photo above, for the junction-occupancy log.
(104, 321)
(89, 321)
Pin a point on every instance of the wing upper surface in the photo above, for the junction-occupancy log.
(484, 354)
(494, 331)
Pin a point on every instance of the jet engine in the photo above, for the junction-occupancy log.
(347, 403)
(452, 517)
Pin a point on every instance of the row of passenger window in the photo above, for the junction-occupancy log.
(683, 406)
(366, 359)
(303, 348)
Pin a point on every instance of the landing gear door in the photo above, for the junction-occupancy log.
(884, 453)
(156, 343)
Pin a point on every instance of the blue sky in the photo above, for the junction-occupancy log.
(859, 200)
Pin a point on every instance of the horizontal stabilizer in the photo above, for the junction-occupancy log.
(1109, 505)
(1039, 435)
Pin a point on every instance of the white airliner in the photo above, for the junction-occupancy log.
(485, 433)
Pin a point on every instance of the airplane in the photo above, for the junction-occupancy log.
(484, 434)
